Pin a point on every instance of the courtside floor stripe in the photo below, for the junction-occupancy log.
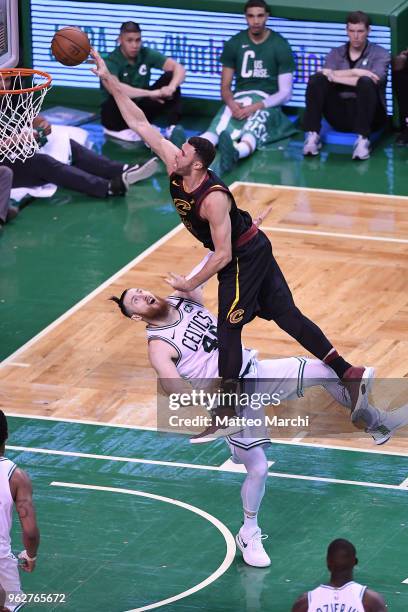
(290, 230)
(292, 442)
(319, 190)
(87, 298)
(212, 468)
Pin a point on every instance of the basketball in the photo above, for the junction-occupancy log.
(70, 46)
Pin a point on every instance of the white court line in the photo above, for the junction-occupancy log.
(404, 484)
(354, 449)
(213, 468)
(87, 298)
(299, 437)
(80, 421)
(290, 230)
(319, 190)
(225, 532)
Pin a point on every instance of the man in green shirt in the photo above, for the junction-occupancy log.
(131, 64)
(262, 62)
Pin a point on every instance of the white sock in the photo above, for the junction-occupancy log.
(253, 488)
(211, 137)
(246, 145)
(243, 148)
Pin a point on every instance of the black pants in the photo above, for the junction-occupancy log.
(348, 109)
(251, 285)
(89, 173)
(112, 119)
(400, 82)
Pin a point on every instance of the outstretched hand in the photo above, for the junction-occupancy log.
(178, 282)
(100, 69)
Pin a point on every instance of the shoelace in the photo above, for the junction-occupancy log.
(256, 540)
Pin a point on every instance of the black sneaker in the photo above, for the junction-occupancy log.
(402, 138)
(117, 186)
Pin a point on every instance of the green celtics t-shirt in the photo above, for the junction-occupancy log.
(257, 66)
(136, 74)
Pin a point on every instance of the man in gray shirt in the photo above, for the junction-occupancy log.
(350, 90)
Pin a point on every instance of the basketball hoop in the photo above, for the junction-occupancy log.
(22, 91)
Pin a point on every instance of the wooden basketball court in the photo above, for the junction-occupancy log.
(344, 256)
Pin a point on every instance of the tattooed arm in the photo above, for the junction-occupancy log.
(22, 493)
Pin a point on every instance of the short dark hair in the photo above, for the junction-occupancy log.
(3, 428)
(119, 302)
(129, 26)
(257, 4)
(204, 148)
(341, 554)
(359, 17)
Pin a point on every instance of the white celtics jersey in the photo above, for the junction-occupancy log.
(194, 337)
(348, 598)
(7, 467)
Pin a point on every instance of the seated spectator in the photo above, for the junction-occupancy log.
(131, 64)
(88, 173)
(7, 212)
(400, 83)
(262, 62)
(350, 90)
(341, 592)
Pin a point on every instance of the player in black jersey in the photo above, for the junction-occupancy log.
(250, 281)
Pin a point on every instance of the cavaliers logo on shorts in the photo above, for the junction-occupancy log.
(236, 316)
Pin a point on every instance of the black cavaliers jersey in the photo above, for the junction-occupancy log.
(188, 207)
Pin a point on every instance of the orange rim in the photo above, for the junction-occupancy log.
(24, 72)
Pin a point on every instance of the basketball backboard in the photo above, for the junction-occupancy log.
(8, 33)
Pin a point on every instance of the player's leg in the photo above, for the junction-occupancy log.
(111, 117)
(238, 285)
(252, 491)
(41, 169)
(10, 581)
(89, 161)
(223, 121)
(263, 127)
(276, 303)
(171, 106)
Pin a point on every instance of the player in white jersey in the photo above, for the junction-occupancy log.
(341, 594)
(182, 344)
(15, 489)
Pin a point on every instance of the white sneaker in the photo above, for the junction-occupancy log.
(137, 173)
(380, 434)
(252, 549)
(312, 144)
(128, 135)
(361, 148)
(391, 420)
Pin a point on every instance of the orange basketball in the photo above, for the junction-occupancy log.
(70, 46)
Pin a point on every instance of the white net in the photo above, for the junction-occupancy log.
(18, 110)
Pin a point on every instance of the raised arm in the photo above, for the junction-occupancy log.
(134, 116)
(22, 493)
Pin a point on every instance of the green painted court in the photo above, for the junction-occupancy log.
(132, 517)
